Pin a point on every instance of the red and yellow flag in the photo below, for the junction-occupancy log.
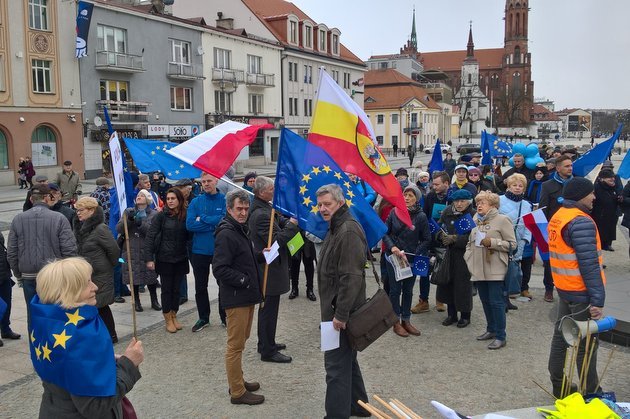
(343, 130)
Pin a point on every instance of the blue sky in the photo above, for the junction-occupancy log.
(580, 49)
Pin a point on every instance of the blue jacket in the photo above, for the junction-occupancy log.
(366, 191)
(511, 208)
(204, 213)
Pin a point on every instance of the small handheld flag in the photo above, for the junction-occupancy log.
(434, 227)
(464, 224)
(420, 266)
(295, 243)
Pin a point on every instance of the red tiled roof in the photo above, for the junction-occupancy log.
(540, 113)
(452, 60)
(390, 89)
(386, 76)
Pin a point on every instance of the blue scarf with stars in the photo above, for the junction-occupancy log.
(72, 349)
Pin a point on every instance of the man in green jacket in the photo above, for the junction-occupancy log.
(68, 181)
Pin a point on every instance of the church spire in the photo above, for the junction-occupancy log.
(414, 40)
(471, 45)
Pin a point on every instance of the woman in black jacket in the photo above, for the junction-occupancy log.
(165, 251)
(96, 243)
(605, 208)
(404, 243)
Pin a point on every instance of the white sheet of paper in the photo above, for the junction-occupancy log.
(479, 237)
(330, 337)
(272, 253)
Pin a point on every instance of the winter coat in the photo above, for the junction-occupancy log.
(58, 403)
(101, 194)
(625, 205)
(549, 194)
(37, 237)
(5, 269)
(534, 191)
(414, 240)
(366, 191)
(449, 166)
(468, 186)
(235, 265)
(69, 184)
(65, 210)
(512, 209)
(490, 264)
(202, 217)
(283, 231)
(29, 170)
(459, 290)
(432, 199)
(138, 229)
(605, 212)
(341, 267)
(167, 239)
(485, 185)
(97, 245)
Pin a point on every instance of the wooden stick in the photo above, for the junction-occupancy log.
(601, 377)
(399, 410)
(588, 363)
(266, 272)
(545, 390)
(373, 410)
(133, 294)
(564, 373)
(406, 409)
(582, 376)
(391, 409)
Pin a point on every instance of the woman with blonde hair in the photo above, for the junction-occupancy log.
(72, 351)
(487, 260)
(97, 245)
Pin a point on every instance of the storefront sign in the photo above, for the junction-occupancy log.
(157, 130)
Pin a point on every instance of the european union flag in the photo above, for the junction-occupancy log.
(303, 168)
(434, 227)
(486, 154)
(72, 349)
(595, 156)
(420, 266)
(436, 163)
(151, 156)
(464, 224)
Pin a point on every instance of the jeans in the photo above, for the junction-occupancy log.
(384, 273)
(404, 286)
(239, 326)
(28, 286)
(201, 270)
(425, 286)
(491, 296)
(6, 294)
(579, 312)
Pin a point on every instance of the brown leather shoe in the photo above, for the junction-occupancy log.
(400, 330)
(170, 327)
(410, 328)
(253, 386)
(248, 398)
(439, 306)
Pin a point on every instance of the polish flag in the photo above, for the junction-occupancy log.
(536, 222)
(215, 150)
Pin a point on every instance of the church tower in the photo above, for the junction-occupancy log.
(411, 48)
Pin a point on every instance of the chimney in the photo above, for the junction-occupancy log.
(224, 22)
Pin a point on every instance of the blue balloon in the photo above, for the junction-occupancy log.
(519, 148)
(531, 150)
(530, 163)
(539, 160)
(511, 162)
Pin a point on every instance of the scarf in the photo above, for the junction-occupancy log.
(461, 184)
(534, 184)
(513, 197)
(561, 181)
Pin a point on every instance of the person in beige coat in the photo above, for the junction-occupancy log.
(487, 260)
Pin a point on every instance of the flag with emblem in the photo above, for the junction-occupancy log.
(486, 154)
(72, 349)
(302, 169)
(434, 227)
(464, 224)
(420, 265)
(151, 156)
(295, 243)
(344, 131)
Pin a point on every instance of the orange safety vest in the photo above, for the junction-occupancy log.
(562, 258)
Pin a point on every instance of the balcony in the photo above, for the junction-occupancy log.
(118, 61)
(184, 71)
(260, 80)
(227, 75)
(124, 112)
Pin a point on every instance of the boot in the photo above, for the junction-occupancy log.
(136, 295)
(294, 293)
(138, 305)
(400, 330)
(421, 307)
(155, 304)
(410, 328)
(177, 324)
(170, 327)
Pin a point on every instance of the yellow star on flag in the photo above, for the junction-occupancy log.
(338, 175)
(316, 170)
(307, 201)
(74, 318)
(38, 352)
(303, 189)
(346, 184)
(314, 209)
(350, 193)
(306, 178)
(177, 172)
(32, 336)
(46, 352)
(326, 169)
(157, 147)
(153, 153)
(61, 339)
(349, 203)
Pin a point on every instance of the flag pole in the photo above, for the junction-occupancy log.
(133, 294)
(266, 272)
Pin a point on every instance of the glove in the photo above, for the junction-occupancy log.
(486, 242)
(448, 239)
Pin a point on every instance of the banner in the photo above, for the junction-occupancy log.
(84, 17)
(117, 170)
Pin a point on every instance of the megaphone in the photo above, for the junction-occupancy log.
(573, 330)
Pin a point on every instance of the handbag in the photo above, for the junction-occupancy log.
(372, 319)
(513, 276)
(128, 412)
(441, 274)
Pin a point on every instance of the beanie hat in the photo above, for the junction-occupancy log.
(41, 178)
(413, 188)
(607, 163)
(402, 172)
(606, 174)
(184, 182)
(102, 181)
(423, 174)
(53, 187)
(460, 194)
(461, 166)
(577, 188)
(474, 170)
(147, 195)
(250, 175)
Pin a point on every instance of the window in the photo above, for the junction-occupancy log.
(111, 39)
(293, 107)
(517, 55)
(254, 64)
(4, 151)
(222, 102)
(335, 76)
(308, 36)
(255, 104)
(293, 33)
(293, 73)
(322, 40)
(469, 78)
(394, 118)
(42, 77)
(180, 52)
(308, 74)
(494, 80)
(379, 118)
(346, 80)
(44, 147)
(383, 65)
(2, 74)
(335, 44)
(379, 140)
(222, 58)
(38, 14)
(308, 107)
(394, 140)
(257, 148)
(414, 120)
(114, 90)
(181, 98)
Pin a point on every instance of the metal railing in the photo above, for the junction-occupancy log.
(228, 75)
(124, 111)
(182, 70)
(118, 60)
(257, 79)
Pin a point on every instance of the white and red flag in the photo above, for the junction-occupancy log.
(536, 222)
(215, 150)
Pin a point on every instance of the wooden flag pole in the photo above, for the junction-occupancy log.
(133, 294)
(388, 407)
(266, 272)
(377, 413)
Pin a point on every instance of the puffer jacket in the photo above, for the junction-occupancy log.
(167, 239)
(581, 235)
(202, 217)
(511, 209)
(414, 240)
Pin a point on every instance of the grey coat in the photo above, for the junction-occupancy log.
(138, 229)
(58, 403)
(38, 236)
(283, 231)
(341, 267)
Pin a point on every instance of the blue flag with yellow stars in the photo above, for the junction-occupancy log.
(72, 349)
(434, 227)
(303, 168)
(464, 224)
(420, 266)
(151, 156)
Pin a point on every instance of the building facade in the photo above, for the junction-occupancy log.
(576, 123)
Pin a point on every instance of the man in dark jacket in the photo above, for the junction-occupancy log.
(576, 264)
(235, 266)
(341, 284)
(6, 283)
(519, 167)
(39, 180)
(550, 191)
(284, 229)
(58, 205)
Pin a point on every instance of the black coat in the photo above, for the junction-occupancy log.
(283, 231)
(604, 212)
(167, 239)
(5, 269)
(459, 290)
(235, 265)
(625, 206)
(138, 228)
(549, 194)
(414, 240)
(97, 245)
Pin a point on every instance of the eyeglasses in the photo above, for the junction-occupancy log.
(473, 175)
